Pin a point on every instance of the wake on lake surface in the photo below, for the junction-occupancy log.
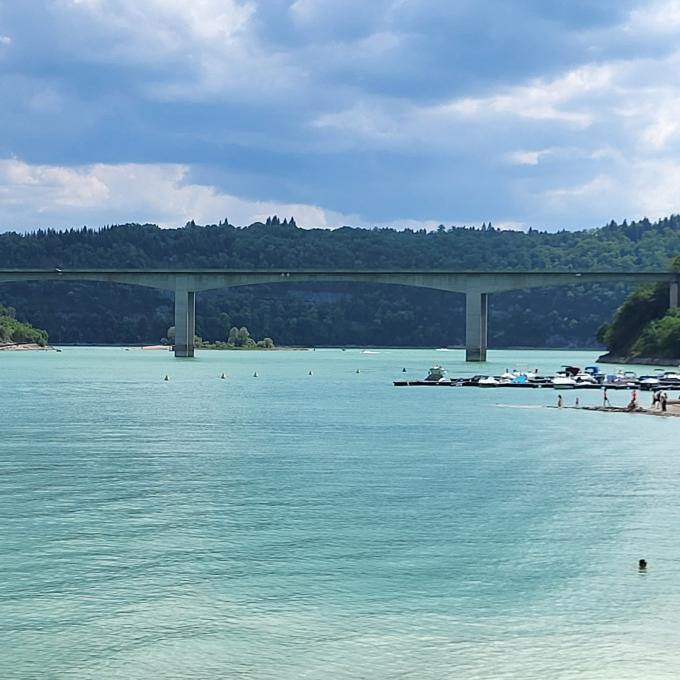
(318, 522)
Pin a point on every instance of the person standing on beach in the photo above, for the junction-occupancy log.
(664, 401)
(559, 401)
(655, 400)
(605, 398)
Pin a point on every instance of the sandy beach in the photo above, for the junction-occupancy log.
(672, 409)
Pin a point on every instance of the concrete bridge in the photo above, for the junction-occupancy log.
(476, 285)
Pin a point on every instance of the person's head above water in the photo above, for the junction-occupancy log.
(642, 564)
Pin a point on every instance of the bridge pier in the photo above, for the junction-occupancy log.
(476, 325)
(673, 302)
(185, 322)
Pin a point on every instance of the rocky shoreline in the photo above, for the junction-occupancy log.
(23, 347)
(644, 361)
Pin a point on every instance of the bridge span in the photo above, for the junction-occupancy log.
(475, 285)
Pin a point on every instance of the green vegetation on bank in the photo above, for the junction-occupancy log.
(643, 326)
(238, 338)
(331, 314)
(14, 331)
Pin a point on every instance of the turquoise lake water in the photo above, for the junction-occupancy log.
(328, 526)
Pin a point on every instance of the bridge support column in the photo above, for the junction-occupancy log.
(185, 322)
(476, 324)
(673, 302)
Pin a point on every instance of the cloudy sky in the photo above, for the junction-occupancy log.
(540, 113)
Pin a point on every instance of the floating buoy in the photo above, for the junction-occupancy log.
(166, 379)
(310, 373)
(255, 375)
(223, 376)
(358, 371)
(403, 370)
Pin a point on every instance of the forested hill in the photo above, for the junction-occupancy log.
(332, 313)
(637, 245)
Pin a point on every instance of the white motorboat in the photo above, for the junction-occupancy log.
(564, 382)
(489, 381)
(437, 374)
(585, 379)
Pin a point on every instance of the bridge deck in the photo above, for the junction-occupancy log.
(476, 285)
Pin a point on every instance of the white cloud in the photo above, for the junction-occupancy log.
(639, 188)
(661, 17)
(560, 99)
(601, 186)
(527, 157)
(567, 100)
(656, 188)
(47, 195)
(189, 50)
(33, 196)
(166, 24)
(5, 40)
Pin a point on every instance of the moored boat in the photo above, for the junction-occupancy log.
(437, 374)
(563, 382)
(489, 381)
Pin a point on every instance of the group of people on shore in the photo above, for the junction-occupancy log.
(660, 401)
(632, 404)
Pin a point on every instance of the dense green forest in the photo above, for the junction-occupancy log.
(13, 331)
(643, 325)
(331, 314)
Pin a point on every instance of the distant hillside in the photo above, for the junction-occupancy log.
(332, 313)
